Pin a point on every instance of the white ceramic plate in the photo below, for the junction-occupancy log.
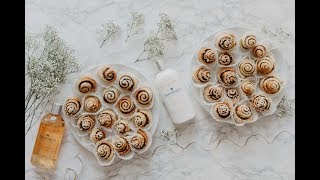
(83, 140)
(281, 69)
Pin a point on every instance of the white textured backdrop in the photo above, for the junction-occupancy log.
(262, 150)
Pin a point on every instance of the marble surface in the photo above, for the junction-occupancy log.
(203, 149)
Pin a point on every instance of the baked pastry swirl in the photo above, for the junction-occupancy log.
(270, 84)
(139, 139)
(127, 82)
(126, 106)
(212, 93)
(265, 65)
(96, 135)
(92, 104)
(227, 76)
(72, 106)
(259, 51)
(244, 112)
(225, 59)
(85, 123)
(144, 96)
(110, 95)
(226, 41)
(122, 126)
(108, 74)
(206, 56)
(105, 150)
(142, 118)
(222, 110)
(122, 146)
(248, 41)
(107, 117)
(201, 75)
(261, 102)
(247, 67)
(233, 94)
(87, 84)
(248, 87)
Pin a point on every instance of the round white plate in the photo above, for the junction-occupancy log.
(281, 69)
(83, 140)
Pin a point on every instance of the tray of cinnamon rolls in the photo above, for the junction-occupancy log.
(238, 75)
(113, 112)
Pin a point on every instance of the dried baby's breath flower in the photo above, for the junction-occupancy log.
(166, 28)
(155, 45)
(136, 25)
(48, 60)
(107, 30)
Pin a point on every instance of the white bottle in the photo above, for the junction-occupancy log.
(174, 95)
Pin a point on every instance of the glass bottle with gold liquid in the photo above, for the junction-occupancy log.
(50, 133)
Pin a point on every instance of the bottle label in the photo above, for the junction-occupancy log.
(48, 141)
(171, 88)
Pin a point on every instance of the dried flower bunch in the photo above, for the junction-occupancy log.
(154, 45)
(48, 60)
(136, 25)
(107, 30)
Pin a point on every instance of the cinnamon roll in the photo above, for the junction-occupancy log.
(122, 126)
(144, 96)
(201, 75)
(259, 51)
(121, 145)
(227, 76)
(104, 149)
(265, 65)
(248, 87)
(270, 84)
(247, 67)
(108, 74)
(127, 82)
(206, 56)
(85, 122)
(243, 112)
(261, 102)
(225, 59)
(86, 84)
(233, 94)
(248, 41)
(142, 118)
(139, 139)
(96, 135)
(226, 41)
(212, 93)
(110, 95)
(222, 110)
(72, 106)
(107, 117)
(92, 104)
(126, 106)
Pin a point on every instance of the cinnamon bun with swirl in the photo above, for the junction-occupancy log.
(201, 75)
(206, 56)
(127, 82)
(226, 41)
(108, 74)
(72, 106)
(86, 84)
(110, 95)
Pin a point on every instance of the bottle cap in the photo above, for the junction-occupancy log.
(56, 108)
(160, 64)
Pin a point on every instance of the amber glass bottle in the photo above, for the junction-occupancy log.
(48, 141)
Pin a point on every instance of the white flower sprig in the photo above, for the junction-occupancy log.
(154, 45)
(136, 25)
(48, 60)
(107, 30)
